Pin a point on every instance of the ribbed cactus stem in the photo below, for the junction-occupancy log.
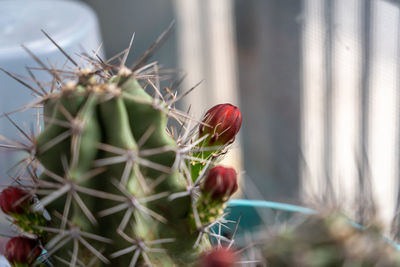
(102, 129)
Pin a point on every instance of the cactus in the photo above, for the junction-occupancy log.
(120, 186)
(322, 240)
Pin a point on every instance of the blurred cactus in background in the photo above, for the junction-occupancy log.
(328, 239)
(107, 181)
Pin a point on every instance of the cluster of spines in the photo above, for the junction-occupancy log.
(182, 208)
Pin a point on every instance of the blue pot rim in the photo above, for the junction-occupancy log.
(269, 204)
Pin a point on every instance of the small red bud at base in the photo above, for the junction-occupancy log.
(14, 200)
(218, 257)
(224, 122)
(220, 182)
(22, 250)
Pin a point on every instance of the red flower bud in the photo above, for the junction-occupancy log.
(220, 182)
(15, 200)
(219, 257)
(22, 250)
(224, 122)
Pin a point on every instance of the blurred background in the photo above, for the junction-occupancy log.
(317, 82)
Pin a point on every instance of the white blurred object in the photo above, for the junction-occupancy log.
(73, 25)
(4, 262)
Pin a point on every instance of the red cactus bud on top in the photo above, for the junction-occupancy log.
(218, 257)
(14, 200)
(223, 122)
(22, 250)
(220, 182)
